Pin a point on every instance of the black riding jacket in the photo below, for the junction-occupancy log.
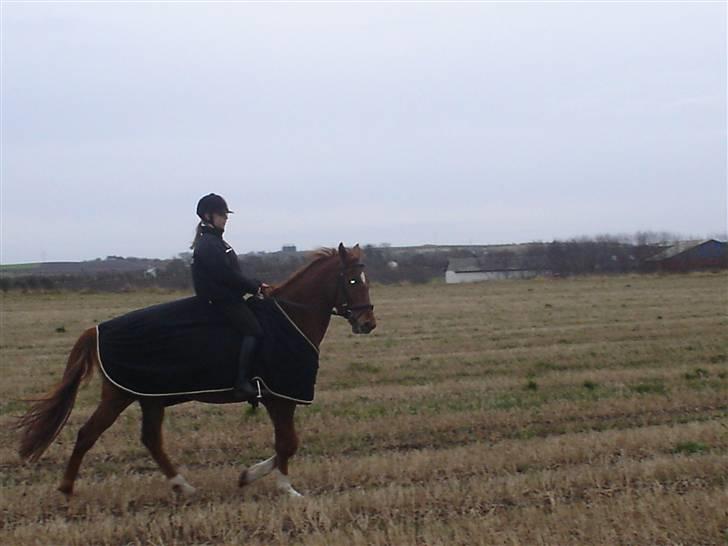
(216, 272)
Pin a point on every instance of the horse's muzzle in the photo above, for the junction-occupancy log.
(364, 326)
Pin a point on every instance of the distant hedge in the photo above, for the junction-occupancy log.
(386, 265)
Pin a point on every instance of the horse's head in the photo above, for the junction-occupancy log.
(352, 293)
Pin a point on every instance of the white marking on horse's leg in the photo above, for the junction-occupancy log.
(283, 483)
(257, 471)
(180, 485)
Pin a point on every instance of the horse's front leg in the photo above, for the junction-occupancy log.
(286, 443)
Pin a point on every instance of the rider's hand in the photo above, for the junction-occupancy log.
(265, 289)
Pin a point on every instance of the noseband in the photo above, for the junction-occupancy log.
(344, 309)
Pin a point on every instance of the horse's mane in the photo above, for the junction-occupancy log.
(318, 256)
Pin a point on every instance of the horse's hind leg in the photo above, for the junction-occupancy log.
(152, 417)
(257, 471)
(113, 402)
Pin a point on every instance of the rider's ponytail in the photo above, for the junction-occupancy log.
(198, 233)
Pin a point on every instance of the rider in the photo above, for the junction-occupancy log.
(217, 278)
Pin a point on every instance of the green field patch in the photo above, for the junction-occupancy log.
(649, 387)
(525, 433)
(13, 407)
(17, 268)
(363, 367)
(439, 403)
(718, 383)
(548, 366)
(691, 448)
(697, 374)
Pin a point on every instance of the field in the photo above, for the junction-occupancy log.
(584, 411)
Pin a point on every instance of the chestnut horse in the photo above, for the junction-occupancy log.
(332, 284)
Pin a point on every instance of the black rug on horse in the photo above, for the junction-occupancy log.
(182, 347)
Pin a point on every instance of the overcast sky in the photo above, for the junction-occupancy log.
(406, 123)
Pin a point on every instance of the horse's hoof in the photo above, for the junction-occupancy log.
(181, 487)
(66, 489)
(293, 494)
(184, 491)
(243, 479)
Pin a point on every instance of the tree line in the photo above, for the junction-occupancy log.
(604, 254)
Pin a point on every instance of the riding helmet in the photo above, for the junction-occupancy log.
(212, 203)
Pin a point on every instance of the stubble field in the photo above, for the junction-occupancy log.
(585, 411)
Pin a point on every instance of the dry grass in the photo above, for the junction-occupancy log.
(586, 411)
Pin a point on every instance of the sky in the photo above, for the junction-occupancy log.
(368, 122)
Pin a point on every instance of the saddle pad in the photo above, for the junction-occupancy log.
(183, 347)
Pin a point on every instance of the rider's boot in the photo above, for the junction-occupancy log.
(243, 388)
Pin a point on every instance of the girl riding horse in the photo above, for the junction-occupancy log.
(218, 280)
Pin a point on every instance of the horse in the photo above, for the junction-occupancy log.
(332, 283)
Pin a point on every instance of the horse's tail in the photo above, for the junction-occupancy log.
(46, 417)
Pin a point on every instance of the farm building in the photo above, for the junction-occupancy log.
(494, 266)
(690, 255)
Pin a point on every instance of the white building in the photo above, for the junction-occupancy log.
(489, 268)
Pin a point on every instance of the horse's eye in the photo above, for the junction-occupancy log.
(352, 281)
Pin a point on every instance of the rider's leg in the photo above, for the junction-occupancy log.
(243, 387)
(244, 321)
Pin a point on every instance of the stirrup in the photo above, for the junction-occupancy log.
(255, 401)
(245, 391)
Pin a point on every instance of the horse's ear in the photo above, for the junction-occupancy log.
(356, 251)
(342, 252)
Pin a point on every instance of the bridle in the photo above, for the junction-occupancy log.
(343, 309)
